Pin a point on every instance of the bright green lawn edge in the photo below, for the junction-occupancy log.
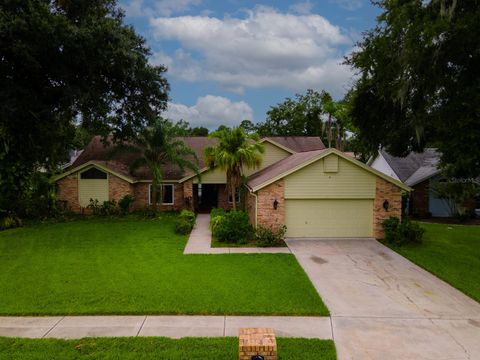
(140, 348)
(450, 252)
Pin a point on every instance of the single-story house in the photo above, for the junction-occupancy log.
(421, 172)
(315, 192)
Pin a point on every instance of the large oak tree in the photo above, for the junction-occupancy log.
(62, 63)
(419, 81)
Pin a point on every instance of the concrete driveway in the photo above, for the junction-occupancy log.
(385, 307)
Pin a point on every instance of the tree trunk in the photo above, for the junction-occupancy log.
(154, 197)
(340, 138)
(234, 200)
(329, 133)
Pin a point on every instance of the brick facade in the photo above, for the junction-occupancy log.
(179, 202)
(222, 197)
(266, 214)
(118, 188)
(188, 194)
(419, 200)
(385, 190)
(67, 192)
(141, 194)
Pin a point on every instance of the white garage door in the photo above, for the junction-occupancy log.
(329, 218)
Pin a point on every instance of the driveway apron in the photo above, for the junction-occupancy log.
(384, 306)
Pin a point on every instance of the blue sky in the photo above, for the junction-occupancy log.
(231, 60)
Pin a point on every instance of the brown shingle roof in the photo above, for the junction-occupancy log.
(96, 151)
(299, 143)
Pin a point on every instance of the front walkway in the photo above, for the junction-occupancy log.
(385, 307)
(77, 327)
(201, 239)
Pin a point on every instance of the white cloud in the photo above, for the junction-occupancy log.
(265, 49)
(302, 7)
(160, 58)
(350, 5)
(211, 111)
(136, 8)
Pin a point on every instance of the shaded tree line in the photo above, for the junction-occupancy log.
(65, 63)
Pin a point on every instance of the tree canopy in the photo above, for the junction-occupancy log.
(234, 152)
(158, 145)
(419, 81)
(64, 63)
(294, 117)
(183, 128)
(311, 114)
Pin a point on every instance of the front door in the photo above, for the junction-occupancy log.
(207, 195)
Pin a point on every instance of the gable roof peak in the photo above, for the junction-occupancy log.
(405, 167)
(298, 161)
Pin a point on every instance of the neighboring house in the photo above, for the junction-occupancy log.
(316, 192)
(73, 155)
(419, 171)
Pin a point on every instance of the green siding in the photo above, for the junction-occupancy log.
(215, 176)
(271, 155)
(330, 163)
(92, 189)
(329, 218)
(312, 182)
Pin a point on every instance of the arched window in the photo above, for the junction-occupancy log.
(93, 173)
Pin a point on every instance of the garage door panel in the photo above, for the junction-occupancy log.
(329, 218)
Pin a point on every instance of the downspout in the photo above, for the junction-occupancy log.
(256, 204)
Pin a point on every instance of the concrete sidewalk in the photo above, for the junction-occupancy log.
(200, 241)
(76, 327)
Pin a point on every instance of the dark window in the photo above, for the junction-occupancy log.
(167, 194)
(93, 173)
(164, 192)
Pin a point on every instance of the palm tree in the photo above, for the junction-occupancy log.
(329, 109)
(157, 146)
(336, 112)
(234, 152)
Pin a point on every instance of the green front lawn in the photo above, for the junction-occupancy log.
(155, 348)
(132, 266)
(451, 252)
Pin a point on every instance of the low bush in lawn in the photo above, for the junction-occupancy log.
(9, 221)
(270, 236)
(232, 227)
(185, 222)
(125, 202)
(216, 215)
(107, 208)
(402, 232)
